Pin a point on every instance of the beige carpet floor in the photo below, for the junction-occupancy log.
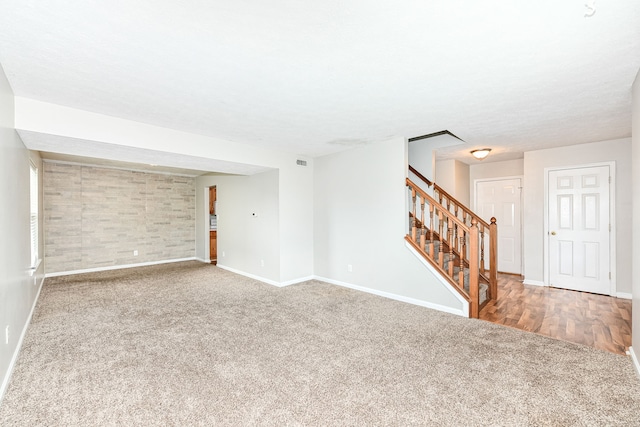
(190, 344)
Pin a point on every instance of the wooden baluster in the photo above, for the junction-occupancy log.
(464, 245)
(481, 231)
(462, 252)
(413, 228)
(451, 241)
(473, 270)
(455, 233)
(455, 239)
(431, 248)
(493, 259)
(441, 247)
(422, 227)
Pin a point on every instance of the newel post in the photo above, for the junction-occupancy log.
(474, 293)
(493, 258)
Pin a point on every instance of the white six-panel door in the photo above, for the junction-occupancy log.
(579, 228)
(501, 199)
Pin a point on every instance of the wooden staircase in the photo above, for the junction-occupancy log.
(453, 240)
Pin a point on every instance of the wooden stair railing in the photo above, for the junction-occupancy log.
(453, 236)
(453, 221)
(489, 230)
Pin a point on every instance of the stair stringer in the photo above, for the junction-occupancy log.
(465, 304)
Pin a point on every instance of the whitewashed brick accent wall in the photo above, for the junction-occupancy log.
(96, 217)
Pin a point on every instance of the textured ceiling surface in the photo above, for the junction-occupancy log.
(316, 77)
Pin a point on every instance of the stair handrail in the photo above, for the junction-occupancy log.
(483, 225)
(422, 177)
(456, 232)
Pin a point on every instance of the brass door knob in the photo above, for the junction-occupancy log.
(553, 233)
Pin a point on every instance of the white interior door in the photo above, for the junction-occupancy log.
(579, 229)
(501, 199)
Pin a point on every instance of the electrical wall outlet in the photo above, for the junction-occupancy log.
(135, 253)
(349, 268)
(261, 263)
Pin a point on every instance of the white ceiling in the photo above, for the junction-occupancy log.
(316, 77)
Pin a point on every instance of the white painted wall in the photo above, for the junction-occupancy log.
(462, 183)
(533, 223)
(245, 239)
(635, 190)
(18, 288)
(445, 175)
(281, 234)
(421, 157)
(296, 221)
(453, 177)
(359, 220)
(493, 170)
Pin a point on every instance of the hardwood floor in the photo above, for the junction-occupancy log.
(596, 320)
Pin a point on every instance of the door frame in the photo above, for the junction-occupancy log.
(207, 222)
(612, 220)
(505, 178)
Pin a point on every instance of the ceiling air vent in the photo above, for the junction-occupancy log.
(301, 162)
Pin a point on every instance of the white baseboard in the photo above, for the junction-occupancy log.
(251, 276)
(350, 286)
(533, 282)
(296, 281)
(265, 280)
(14, 357)
(118, 267)
(623, 295)
(396, 297)
(635, 361)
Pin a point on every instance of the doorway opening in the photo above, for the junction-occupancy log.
(213, 226)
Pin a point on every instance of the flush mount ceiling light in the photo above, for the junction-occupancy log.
(481, 153)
